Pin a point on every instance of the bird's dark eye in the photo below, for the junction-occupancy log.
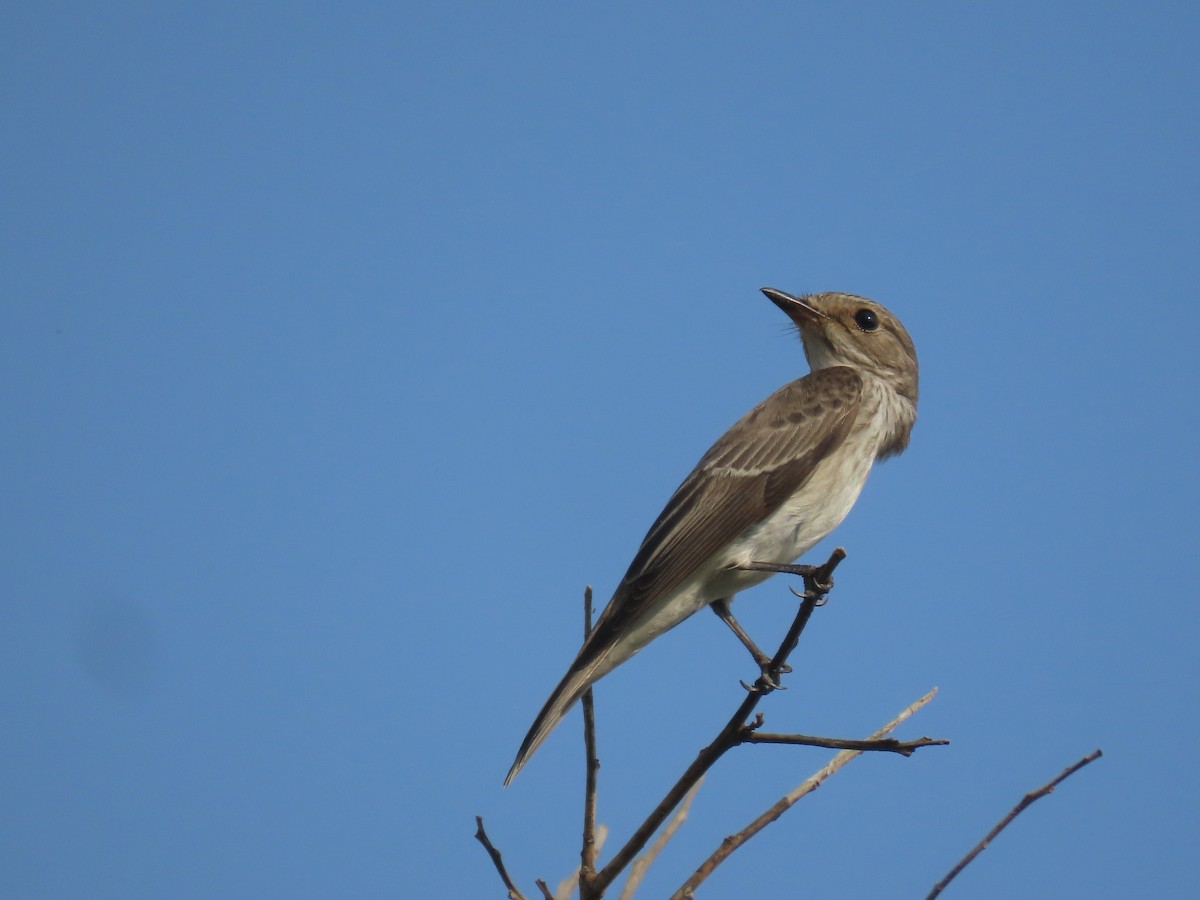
(866, 320)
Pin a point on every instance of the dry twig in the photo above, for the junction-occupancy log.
(481, 836)
(816, 586)
(884, 745)
(587, 856)
(1026, 801)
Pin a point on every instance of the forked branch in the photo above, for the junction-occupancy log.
(786, 802)
(737, 730)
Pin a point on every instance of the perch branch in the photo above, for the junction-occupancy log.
(816, 586)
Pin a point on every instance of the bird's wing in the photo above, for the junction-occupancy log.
(744, 477)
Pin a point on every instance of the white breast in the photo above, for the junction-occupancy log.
(812, 512)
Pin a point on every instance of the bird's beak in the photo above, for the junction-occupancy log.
(799, 309)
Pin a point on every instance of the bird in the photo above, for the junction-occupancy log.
(773, 485)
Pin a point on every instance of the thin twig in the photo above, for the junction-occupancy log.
(887, 745)
(481, 836)
(731, 843)
(1026, 801)
(640, 865)
(587, 855)
(817, 585)
(546, 895)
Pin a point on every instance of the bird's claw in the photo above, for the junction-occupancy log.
(763, 685)
(815, 591)
(768, 679)
(821, 587)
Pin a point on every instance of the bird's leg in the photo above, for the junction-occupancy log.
(721, 608)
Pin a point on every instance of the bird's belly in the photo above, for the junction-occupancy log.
(807, 516)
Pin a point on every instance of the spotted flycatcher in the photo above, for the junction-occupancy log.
(772, 486)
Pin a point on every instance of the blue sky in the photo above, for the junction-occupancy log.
(342, 347)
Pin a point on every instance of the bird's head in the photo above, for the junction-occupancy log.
(845, 330)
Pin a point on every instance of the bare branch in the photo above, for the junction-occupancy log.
(887, 745)
(731, 843)
(638, 870)
(481, 836)
(1026, 801)
(587, 855)
(816, 585)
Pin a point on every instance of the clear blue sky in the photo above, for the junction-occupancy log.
(342, 346)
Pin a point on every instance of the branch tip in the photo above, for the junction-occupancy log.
(1024, 803)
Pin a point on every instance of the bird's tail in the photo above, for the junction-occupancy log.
(570, 689)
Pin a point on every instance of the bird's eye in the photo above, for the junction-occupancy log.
(866, 320)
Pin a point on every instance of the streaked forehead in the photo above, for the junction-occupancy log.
(837, 298)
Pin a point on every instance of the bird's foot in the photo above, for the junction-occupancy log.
(815, 587)
(768, 679)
